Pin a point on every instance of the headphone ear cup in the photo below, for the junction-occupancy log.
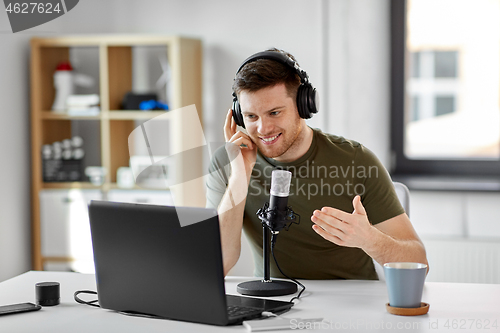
(237, 116)
(312, 101)
(302, 103)
(306, 101)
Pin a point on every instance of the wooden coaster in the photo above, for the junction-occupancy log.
(423, 309)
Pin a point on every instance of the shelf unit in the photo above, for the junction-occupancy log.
(115, 80)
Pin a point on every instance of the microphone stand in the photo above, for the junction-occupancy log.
(267, 287)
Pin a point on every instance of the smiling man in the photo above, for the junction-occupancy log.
(348, 206)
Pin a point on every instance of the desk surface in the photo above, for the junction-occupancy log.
(345, 305)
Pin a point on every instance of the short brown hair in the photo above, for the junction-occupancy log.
(263, 73)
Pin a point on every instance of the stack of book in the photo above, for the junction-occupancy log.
(83, 105)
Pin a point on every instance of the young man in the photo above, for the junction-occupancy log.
(348, 207)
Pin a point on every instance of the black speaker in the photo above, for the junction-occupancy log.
(307, 96)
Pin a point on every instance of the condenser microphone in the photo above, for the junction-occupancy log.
(275, 215)
(280, 189)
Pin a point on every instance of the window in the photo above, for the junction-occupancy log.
(445, 87)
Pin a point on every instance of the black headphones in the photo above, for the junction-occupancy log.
(307, 97)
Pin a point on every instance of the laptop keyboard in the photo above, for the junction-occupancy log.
(240, 311)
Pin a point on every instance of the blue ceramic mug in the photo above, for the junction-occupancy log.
(405, 283)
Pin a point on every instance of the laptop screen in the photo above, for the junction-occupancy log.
(147, 263)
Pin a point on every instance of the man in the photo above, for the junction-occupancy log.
(348, 207)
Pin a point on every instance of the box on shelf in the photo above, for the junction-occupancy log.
(62, 170)
(63, 161)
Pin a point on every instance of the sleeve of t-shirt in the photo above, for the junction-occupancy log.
(218, 178)
(379, 199)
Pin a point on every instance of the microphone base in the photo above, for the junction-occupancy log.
(267, 289)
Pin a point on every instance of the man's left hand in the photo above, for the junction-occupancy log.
(341, 228)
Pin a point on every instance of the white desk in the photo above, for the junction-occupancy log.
(345, 305)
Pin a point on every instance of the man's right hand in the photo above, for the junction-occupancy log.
(232, 205)
(235, 139)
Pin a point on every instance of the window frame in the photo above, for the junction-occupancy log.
(401, 165)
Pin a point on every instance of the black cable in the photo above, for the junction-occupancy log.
(273, 242)
(91, 303)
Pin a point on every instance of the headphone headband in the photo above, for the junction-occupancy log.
(279, 57)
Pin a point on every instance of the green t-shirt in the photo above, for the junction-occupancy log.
(332, 172)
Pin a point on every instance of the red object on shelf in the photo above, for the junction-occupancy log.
(64, 66)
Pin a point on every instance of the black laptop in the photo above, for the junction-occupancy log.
(146, 263)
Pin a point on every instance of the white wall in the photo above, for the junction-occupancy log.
(461, 233)
(14, 149)
(15, 228)
(342, 44)
(359, 72)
